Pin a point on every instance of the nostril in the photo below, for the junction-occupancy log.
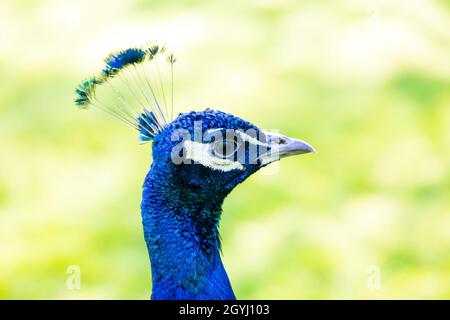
(282, 141)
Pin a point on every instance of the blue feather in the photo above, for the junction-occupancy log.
(119, 60)
(148, 126)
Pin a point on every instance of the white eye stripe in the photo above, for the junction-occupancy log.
(200, 153)
(245, 137)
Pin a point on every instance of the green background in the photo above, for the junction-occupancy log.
(367, 83)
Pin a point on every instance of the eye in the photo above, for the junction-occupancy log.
(224, 148)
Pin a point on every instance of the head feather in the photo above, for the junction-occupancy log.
(136, 91)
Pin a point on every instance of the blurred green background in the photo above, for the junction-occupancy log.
(366, 82)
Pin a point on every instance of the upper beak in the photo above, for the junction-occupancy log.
(283, 146)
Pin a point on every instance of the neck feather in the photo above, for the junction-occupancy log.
(181, 233)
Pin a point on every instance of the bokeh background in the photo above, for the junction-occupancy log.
(366, 82)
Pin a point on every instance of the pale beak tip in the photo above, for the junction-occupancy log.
(307, 147)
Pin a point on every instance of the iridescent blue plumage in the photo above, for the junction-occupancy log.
(181, 208)
(119, 60)
(148, 126)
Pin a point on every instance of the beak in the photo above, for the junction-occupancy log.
(282, 147)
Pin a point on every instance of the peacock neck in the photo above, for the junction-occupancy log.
(181, 233)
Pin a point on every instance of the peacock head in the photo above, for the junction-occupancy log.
(207, 152)
(210, 152)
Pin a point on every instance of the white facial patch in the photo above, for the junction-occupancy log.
(200, 153)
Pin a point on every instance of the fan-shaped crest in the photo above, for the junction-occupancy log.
(131, 88)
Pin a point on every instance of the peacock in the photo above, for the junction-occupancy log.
(199, 157)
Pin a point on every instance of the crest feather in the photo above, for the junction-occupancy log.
(136, 94)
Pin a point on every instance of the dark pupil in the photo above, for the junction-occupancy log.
(224, 148)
